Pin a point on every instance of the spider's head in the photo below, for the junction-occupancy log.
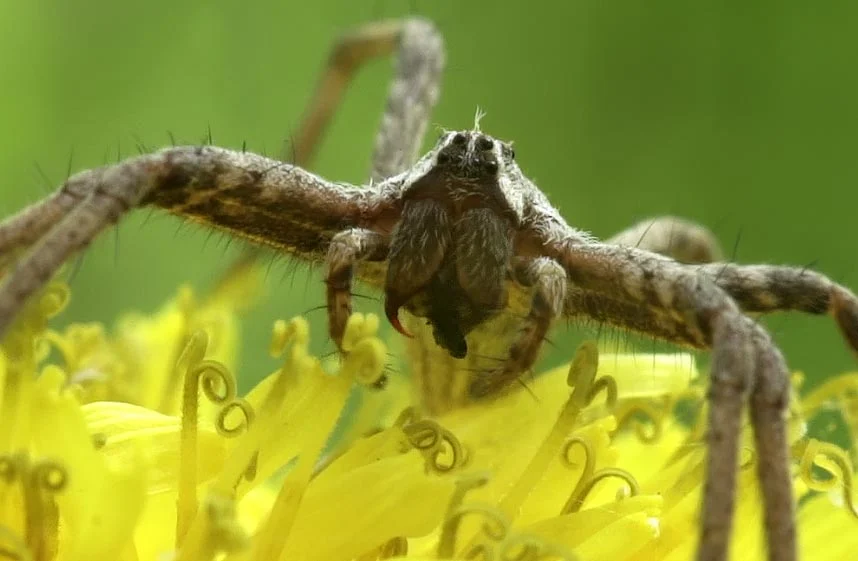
(472, 157)
(452, 247)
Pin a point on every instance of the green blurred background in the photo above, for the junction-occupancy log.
(739, 115)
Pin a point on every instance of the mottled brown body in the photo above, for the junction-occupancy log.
(451, 251)
(476, 259)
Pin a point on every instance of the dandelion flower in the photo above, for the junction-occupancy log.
(134, 444)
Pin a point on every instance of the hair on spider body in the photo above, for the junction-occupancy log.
(452, 248)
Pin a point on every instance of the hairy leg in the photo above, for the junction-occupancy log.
(346, 250)
(769, 404)
(670, 236)
(24, 229)
(632, 316)
(247, 195)
(677, 238)
(412, 96)
(756, 288)
(739, 348)
(767, 288)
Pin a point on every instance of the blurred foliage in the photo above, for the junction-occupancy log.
(739, 115)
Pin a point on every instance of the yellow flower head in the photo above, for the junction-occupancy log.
(135, 444)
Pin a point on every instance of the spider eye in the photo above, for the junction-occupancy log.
(491, 166)
(460, 139)
(484, 143)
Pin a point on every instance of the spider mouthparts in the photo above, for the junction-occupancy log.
(391, 310)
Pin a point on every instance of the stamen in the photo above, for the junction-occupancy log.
(450, 528)
(18, 352)
(843, 391)
(495, 528)
(494, 539)
(518, 547)
(247, 415)
(649, 430)
(406, 416)
(219, 386)
(582, 378)
(39, 482)
(295, 332)
(835, 462)
(440, 448)
(214, 531)
(290, 338)
(394, 547)
(586, 474)
(78, 341)
(365, 358)
(589, 477)
(584, 487)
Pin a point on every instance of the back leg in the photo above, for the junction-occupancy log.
(411, 98)
(756, 288)
(677, 238)
(769, 288)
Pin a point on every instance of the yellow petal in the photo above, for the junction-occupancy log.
(101, 500)
(347, 515)
(129, 429)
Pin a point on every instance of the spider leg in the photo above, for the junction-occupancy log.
(548, 280)
(346, 250)
(412, 95)
(25, 228)
(262, 200)
(632, 316)
(766, 288)
(744, 363)
(769, 402)
(677, 238)
(673, 237)
(544, 274)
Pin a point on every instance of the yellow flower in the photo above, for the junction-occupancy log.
(135, 445)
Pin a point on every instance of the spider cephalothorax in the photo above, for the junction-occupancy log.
(460, 238)
(451, 251)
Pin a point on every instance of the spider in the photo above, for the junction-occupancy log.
(456, 239)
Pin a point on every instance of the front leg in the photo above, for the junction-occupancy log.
(346, 250)
(253, 197)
